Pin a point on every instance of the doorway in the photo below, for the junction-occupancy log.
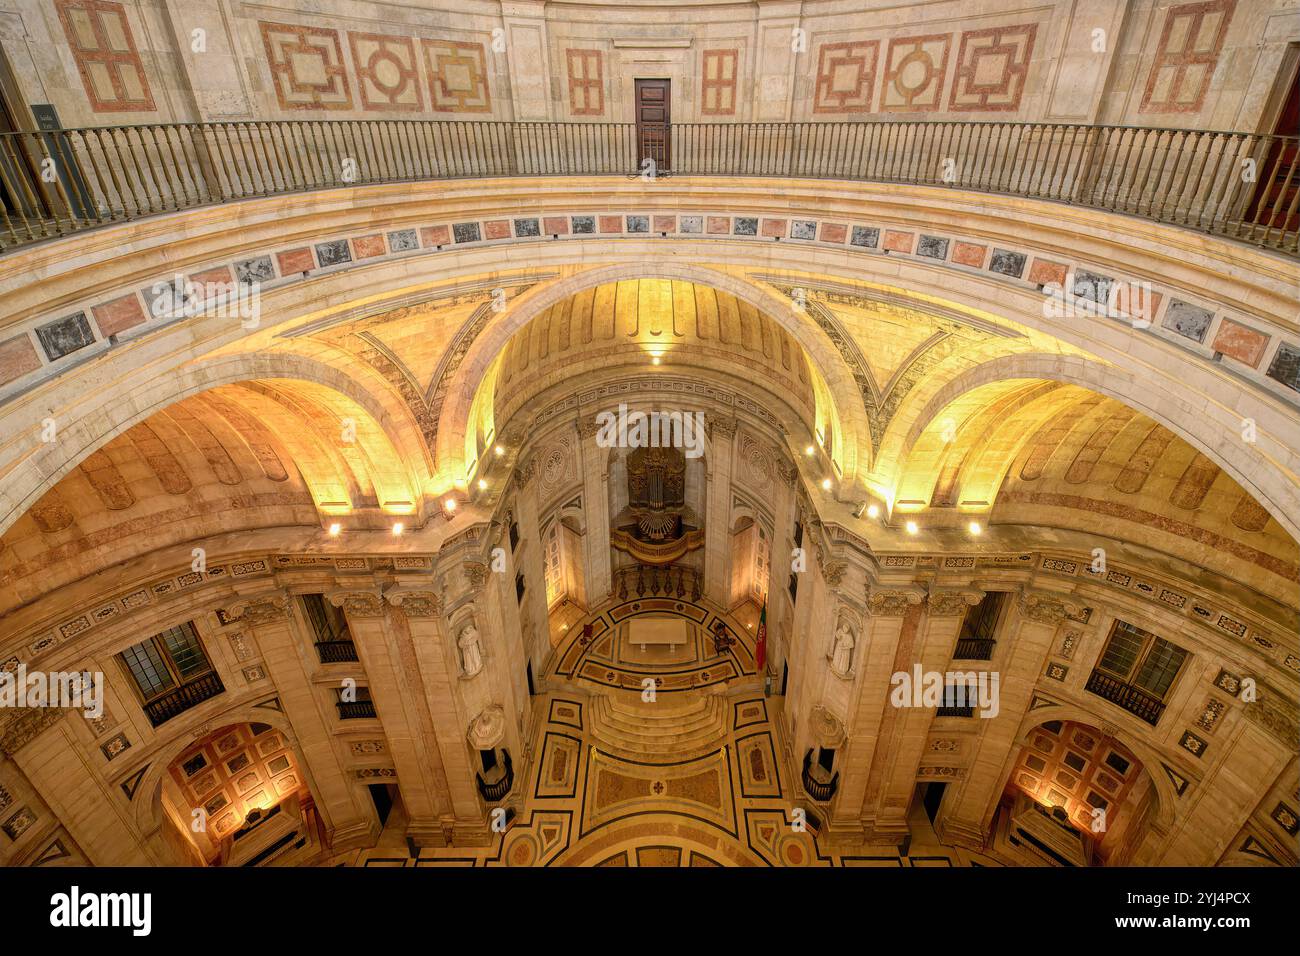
(1278, 179)
(653, 117)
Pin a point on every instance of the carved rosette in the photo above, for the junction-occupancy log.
(358, 603)
(266, 610)
(1042, 608)
(950, 603)
(884, 602)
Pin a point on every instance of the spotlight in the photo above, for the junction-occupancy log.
(449, 504)
(499, 451)
(873, 511)
(826, 484)
(398, 528)
(482, 484)
(655, 361)
(911, 527)
(810, 451)
(975, 527)
(335, 528)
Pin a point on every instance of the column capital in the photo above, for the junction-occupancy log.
(261, 608)
(892, 602)
(587, 426)
(524, 472)
(358, 603)
(476, 573)
(722, 427)
(945, 603)
(414, 601)
(1045, 607)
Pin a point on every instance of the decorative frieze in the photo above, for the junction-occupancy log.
(891, 603)
(951, 603)
(1043, 608)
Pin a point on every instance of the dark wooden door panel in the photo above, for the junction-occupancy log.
(653, 119)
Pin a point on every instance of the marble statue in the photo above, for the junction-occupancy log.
(842, 654)
(471, 652)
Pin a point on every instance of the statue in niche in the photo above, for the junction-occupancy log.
(842, 652)
(471, 652)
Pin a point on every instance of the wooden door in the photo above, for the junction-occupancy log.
(1274, 204)
(653, 116)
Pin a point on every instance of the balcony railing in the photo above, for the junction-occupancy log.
(819, 790)
(1238, 185)
(973, 649)
(336, 652)
(1133, 699)
(496, 791)
(356, 709)
(182, 697)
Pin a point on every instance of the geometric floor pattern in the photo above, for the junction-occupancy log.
(594, 798)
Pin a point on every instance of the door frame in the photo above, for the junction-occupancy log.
(666, 164)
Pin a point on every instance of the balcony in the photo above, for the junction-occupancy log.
(336, 652)
(1188, 178)
(356, 709)
(816, 783)
(974, 649)
(182, 697)
(495, 791)
(1133, 699)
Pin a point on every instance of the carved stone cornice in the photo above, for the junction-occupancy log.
(414, 602)
(891, 602)
(950, 603)
(1042, 607)
(261, 610)
(358, 603)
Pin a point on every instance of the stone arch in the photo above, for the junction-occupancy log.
(1206, 434)
(84, 435)
(825, 359)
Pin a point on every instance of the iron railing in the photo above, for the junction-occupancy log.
(820, 790)
(182, 697)
(1238, 185)
(496, 791)
(1133, 699)
(974, 649)
(336, 652)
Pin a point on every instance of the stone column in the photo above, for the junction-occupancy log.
(46, 750)
(717, 519)
(944, 613)
(533, 620)
(887, 610)
(350, 822)
(439, 665)
(1018, 661)
(595, 509)
(396, 695)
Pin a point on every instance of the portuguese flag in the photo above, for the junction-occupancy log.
(760, 645)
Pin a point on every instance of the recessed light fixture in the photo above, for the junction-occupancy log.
(975, 527)
(655, 361)
(911, 527)
(335, 528)
(873, 511)
(810, 450)
(499, 451)
(449, 504)
(482, 484)
(826, 484)
(398, 527)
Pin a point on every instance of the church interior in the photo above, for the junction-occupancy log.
(790, 433)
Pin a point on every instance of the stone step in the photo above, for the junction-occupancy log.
(661, 728)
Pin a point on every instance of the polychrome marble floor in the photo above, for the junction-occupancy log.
(695, 778)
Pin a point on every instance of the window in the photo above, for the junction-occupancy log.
(1142, 659)
(171, 672)
(978, 635)
(327, 621)
(1136, 671)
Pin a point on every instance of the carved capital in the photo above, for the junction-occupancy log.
(358, 603)
(524, 472)
(26, 725)
(414, 603)
(950, 603)
(476, 573)
(262, 610)
(722, 427)
(1043, 608)
(833, 572)
(587, 427)
(884, 602)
